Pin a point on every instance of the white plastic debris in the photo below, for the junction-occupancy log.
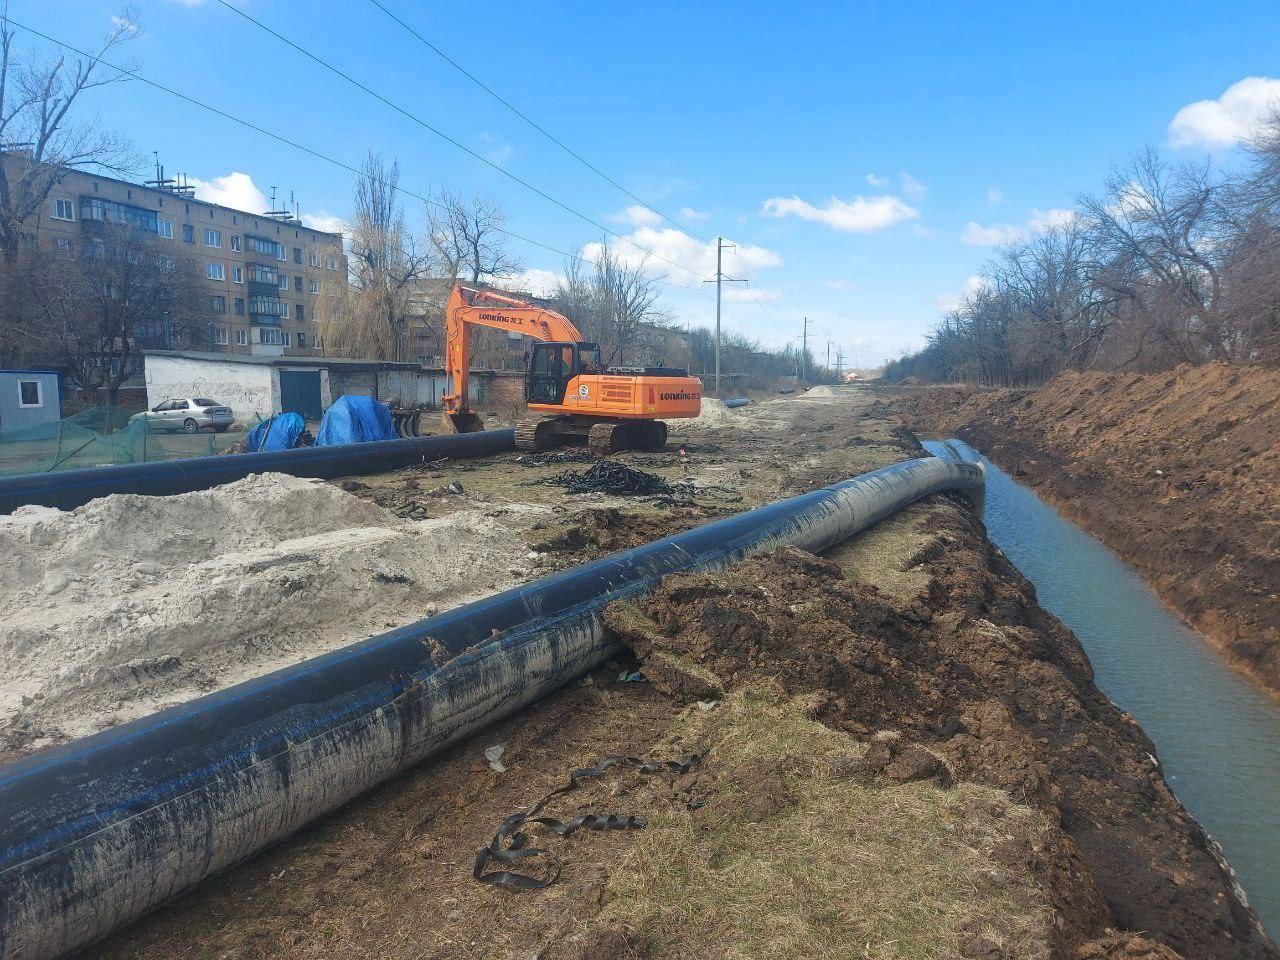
(494, 756)
(705, 705)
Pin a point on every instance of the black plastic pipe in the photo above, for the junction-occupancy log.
(69, 489)
(96, 832)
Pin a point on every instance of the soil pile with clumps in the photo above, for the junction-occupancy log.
(608, 529)
(1178, 472)
(976, 673)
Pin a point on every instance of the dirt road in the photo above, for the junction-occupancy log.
(895, 752)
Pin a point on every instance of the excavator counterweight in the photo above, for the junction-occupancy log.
(570, 395)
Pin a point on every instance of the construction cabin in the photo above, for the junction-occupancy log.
(29, 398)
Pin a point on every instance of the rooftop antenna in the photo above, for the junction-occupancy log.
(275, 212)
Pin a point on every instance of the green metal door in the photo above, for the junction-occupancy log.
(300, 393)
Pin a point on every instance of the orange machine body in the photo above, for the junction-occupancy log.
(565, 375)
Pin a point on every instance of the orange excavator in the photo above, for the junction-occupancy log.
(571, 396)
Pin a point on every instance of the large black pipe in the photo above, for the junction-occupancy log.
(96, 832)
(69, 489)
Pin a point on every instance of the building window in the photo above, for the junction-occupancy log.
(297, 284)
(284, 282)
(108, 211)
(297, 254)
(215, 271)
(165, 228)
(269, 335)
(242, 338)
(235, 241)
(30, 393)
(213, 238)
(300, 315)
(260, 274)
(219, 303)
(63, 209)
(266, 307)
(313, 259)
(239, 306)
(284, 335)
(313, 285)
(62, 244)
(284, 310)
(237, 274)
(302, 337)
(188, 233)
(220, 336)
(333, 263)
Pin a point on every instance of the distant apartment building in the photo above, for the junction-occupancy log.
(267, 281)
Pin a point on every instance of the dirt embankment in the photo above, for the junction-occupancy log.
(897, 754)
(1178, 472)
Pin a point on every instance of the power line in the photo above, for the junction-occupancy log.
(533, 123)
(448, 139)
(279, 138)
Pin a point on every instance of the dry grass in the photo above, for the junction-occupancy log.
(839, 869)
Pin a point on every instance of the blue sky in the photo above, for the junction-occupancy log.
(862, 156)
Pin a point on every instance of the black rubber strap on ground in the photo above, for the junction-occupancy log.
(510, 843)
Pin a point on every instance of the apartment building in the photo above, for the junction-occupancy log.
(268, 280)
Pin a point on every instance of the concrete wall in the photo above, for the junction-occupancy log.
(246, 388)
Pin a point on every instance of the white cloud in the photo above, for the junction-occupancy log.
(859, 215)
(688, 213)
(324, 221)
(1224, 122)
(540, 283)
(636, 216)
(120, 23)
(235, 190)
(976, 235)
(743, 294)
(1048, 219)
(912, 187)
(946, 302)
(673, 246)
(877, 181)
(995, 196)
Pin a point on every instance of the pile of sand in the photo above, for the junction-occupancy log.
(714, 415)
(131, 603)
(820, 392)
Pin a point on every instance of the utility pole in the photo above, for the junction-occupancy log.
(829, 343)
(804, 352)
(720, 278)
(840, 366)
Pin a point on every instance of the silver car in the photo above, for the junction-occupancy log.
(191, 414)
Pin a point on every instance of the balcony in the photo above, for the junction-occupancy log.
(263, 320)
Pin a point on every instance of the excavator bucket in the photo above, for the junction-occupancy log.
(461, 422)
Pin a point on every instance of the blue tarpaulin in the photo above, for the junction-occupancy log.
(355, 420)
(279, 433)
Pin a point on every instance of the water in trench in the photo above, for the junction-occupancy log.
(1217, 734)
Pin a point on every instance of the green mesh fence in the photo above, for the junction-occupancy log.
(101, 436)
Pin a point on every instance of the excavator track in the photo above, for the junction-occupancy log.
(536, 434)
(611, 436)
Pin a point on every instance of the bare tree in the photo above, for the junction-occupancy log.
(467, 236)
(39, 141)
(611, 303)
(386, 265)
(123, 294)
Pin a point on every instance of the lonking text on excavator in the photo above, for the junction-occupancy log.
(570, 395)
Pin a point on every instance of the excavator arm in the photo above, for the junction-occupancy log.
(470, 307)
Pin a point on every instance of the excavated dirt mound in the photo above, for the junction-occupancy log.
(1178, 472)
(973, 671)
(131, 603)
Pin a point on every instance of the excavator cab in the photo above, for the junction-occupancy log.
(553, 365)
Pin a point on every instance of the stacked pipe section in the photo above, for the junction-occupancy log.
(96, 832)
